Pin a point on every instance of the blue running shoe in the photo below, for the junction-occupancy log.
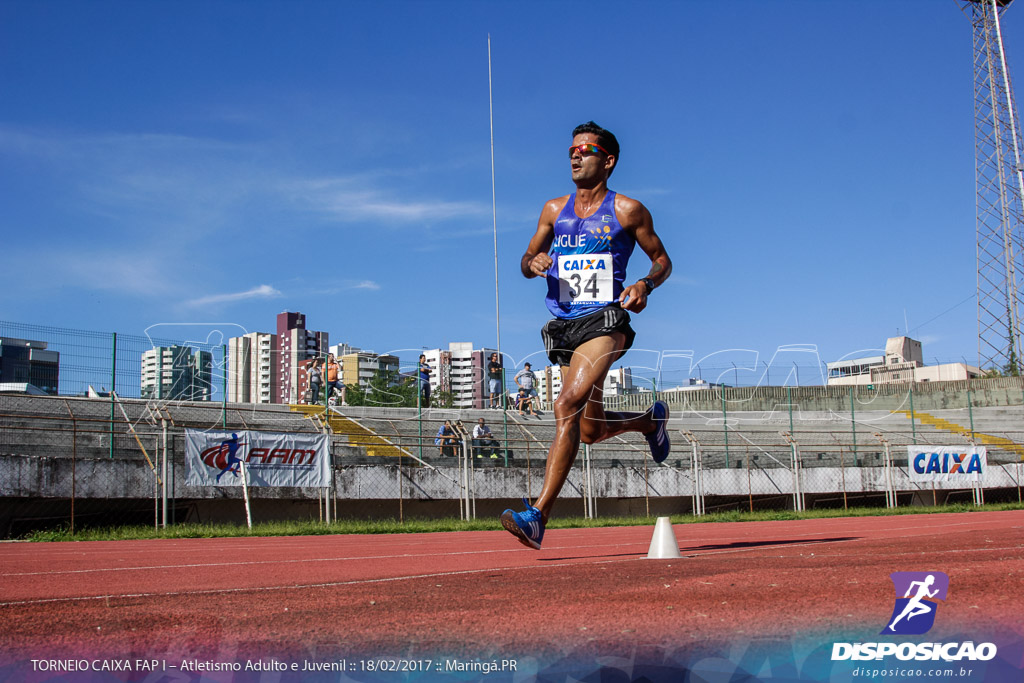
(527, 525)
(658, 439)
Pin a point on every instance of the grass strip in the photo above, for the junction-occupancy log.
(394, 526)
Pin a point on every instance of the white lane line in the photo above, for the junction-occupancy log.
(210, 565)
(717, 541)
(204, 565)
(331, 584)
(944, 551)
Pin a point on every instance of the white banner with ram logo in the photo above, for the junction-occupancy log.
(215, 458)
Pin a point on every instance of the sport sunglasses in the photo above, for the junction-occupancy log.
(586, 149)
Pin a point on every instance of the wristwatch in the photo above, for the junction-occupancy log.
(647, 283)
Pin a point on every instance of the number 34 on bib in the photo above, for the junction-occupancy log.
(585, 278)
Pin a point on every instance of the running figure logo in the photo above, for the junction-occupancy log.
(916, 595)
(226, 457)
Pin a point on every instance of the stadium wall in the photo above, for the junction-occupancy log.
(1000, 391)
(41, 492)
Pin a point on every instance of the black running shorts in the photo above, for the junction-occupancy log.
(563, 336)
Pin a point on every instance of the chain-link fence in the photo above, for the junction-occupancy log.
(826, 468)
(69, 362)
(65, 462)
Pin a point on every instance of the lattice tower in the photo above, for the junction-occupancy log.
(1000, 188)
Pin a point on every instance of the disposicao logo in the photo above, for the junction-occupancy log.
(914, 613)
(916, 596)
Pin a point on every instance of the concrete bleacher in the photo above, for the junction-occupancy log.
(1001, 429)
(52, 426)
(82, 427)
(402, 427)
(825, 438)
(198, 415)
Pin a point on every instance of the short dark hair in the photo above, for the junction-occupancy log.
(605, 138)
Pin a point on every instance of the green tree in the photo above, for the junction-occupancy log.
(1012, 367)
(382, 391)
(442, 399)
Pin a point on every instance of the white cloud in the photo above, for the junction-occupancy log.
(344, 200)
(190, 185)
(366, 284)
(193, 184)
(127, 269)
(261, 292)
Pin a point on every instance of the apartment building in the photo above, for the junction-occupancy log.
(903, 361)
(461, 370)
(343, 349)
(28, 362)
(362, 366)
(618, 382)
(359, 366)
(440, 362)
(295, 345)
(252, 371)
(549, 384)
(176, 373)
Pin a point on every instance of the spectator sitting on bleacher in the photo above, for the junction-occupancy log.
(525, 379)
(446, 440)
(482, 439)
(521, 400)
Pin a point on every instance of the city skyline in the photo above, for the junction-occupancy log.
(234, 363)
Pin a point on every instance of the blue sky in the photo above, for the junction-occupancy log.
(809, 165)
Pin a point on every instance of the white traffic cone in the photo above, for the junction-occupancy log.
(663, 544)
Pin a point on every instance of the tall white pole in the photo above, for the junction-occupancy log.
(245, 492)
(494, 206)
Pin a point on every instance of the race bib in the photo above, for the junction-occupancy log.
(585, 278)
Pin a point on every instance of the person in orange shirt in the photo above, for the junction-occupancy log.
(333, 375)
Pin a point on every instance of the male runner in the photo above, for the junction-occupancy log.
(582, 245)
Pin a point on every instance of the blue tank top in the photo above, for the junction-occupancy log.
(589, 260)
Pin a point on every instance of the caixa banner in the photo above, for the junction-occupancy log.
(214, 458)
(946, 463)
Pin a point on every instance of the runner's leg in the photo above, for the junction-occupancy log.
(598, 424)
(580, 414)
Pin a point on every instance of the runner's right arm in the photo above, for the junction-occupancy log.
(536, 261)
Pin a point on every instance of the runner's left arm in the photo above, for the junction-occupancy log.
(634, 216)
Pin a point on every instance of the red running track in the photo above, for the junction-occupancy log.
(482, 594)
